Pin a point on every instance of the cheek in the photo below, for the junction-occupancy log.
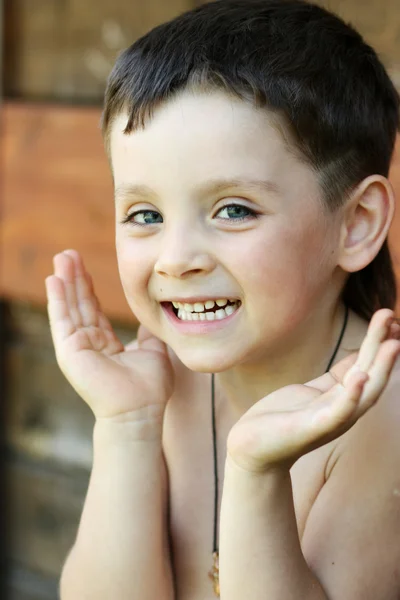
(285, 265)
(133, 270)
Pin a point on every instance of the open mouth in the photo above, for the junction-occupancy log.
(219, 310)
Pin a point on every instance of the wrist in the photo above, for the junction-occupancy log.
(144, 425)
(239, 467)
(273, 480)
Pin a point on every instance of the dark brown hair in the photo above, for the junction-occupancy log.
(300, 61)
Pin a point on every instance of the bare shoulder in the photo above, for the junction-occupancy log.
(376, 435)
(352, 531)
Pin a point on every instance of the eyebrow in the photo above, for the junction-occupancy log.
(210, 186)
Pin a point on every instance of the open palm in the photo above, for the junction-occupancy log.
(116, 381)
(293, 420)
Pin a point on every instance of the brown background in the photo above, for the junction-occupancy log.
(56, 193)
(57, 188)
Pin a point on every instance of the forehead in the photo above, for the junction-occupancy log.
(203, 135)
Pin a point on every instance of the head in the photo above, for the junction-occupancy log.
(273, 90)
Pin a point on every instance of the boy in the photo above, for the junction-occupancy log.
(250, 142)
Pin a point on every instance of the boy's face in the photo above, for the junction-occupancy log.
(279, 263)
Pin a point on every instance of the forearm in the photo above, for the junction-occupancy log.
(120, 549)
(260, 552)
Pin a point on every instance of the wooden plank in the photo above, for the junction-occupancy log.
(378, 23)
(45, 418)
(57, 194)
(65, 49)
(23, 584)
(45, 508)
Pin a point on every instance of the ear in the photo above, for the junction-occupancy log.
(367, 218)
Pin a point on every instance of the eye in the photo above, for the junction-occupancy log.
(146, 217)
(237, 210)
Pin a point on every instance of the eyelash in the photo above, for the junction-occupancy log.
(128, 218)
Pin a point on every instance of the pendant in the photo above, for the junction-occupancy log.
(214, 574)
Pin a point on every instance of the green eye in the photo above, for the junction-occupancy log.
(236, 211)
(146, 219)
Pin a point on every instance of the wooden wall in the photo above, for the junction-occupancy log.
(59, 196)
(56, 196)
(64, 49)
(56, 183)
(49, 455)
(56, 193)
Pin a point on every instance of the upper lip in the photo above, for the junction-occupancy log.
(194, 299)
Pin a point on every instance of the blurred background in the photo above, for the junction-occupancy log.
(56, 193)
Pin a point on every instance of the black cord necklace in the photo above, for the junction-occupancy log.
(214, 573)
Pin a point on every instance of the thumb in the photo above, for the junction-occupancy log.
(325, 382)
(148, 341)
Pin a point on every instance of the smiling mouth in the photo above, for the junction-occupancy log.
(208, 314)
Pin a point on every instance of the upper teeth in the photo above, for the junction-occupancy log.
(199, 306)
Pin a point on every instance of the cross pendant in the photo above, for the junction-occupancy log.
(214, 574)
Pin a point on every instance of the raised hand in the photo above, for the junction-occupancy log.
(295, 419)
(118, 383)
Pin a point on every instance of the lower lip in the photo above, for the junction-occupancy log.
(197, 326)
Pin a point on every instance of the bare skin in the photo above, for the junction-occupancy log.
(192, 509)
(155, 386)
(127, 389)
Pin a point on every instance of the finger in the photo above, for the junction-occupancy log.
(156, 344)
(85, 297)
(143, 333)
(61, 324)
(114, 344)
(91, 287)
(395, 330)
(64, 269)
(149, 341)
(102, 319)
(133, 345)
(339, 405)
(379, 373)
(109, 332)
(325, 382)
(378, 331)
(104, 322)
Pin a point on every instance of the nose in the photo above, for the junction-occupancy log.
(183, 253)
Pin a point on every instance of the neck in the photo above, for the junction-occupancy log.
(299, 359)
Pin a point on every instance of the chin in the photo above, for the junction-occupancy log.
(206, 363)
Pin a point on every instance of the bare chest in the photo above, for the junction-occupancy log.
(188, 451)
